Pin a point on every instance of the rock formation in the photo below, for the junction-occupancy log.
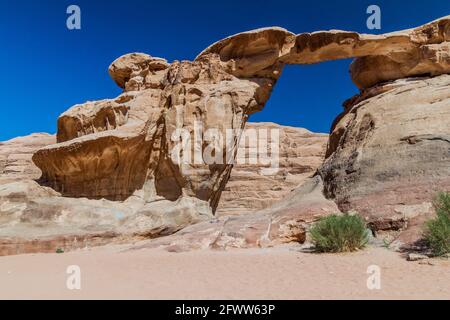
(389, 152)
(38, 219)
(110, 149)
(390, 143)
(248, 190)
(16, 154)
(284, 222)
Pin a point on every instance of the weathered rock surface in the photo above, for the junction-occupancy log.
(114, 148)
(37, 219)
(414, 52)
(140, 68)
(421, 51)
(389, 152)
(249, 189)
(16, 154)
(285, 222)
(387, 155)
(425, 60)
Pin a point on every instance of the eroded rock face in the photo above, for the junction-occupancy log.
(16, 154)
(111, 149)
(114, 148)
(35, 218)
(414, 52)
(249, 189)
(424, 60)
(389, 152)
(284, 222)
(137, 70)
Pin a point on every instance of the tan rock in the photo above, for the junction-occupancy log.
(16, 154)
(430, 59)
(249, 189)
(417, 257)
(413, 52)
(111, 149)
(77, 223)
(389, 153)
(285, 222)
(253, 53)
(131, 70)
(34, 218)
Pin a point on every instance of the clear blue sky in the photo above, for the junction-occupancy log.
(46, 68)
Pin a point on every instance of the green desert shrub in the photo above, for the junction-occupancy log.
(437, 230)
(340, 233)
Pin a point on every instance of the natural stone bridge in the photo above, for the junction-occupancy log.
(121, 147)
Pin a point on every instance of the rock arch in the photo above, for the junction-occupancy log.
(119, 147)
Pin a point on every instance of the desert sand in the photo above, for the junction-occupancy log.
(116, 272)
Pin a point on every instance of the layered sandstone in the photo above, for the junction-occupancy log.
(16, 154)
(414, 52)
(35, 218)
(249, 189)
(284, 222)
(389, 152)
(114, 148)
(386, 157)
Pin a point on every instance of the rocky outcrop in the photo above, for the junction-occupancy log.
(389, 152)
(132, 71)
(424, 60)
(163, 151)
(111, 149)
(16, 154)
(301, 153)
(285, 222)
(38, 219)
(35, 218)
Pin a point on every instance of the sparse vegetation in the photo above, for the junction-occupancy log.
(60, 250)
(437, 230)
(340, 233)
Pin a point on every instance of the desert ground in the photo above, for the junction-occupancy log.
(112, 174)
(118, 272)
